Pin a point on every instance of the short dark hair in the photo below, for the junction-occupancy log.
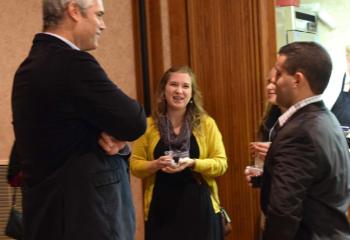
(312, 60)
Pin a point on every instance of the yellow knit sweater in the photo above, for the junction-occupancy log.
(212, 161)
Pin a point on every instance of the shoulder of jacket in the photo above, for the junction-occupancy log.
(69, 55)
(81, 55)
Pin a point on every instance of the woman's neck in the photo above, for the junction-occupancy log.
(176, 118)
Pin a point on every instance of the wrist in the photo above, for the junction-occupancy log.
(193, 164)
(154, 166)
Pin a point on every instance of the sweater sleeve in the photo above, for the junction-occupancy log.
(214, 161)
(142, 148)
(139, 161)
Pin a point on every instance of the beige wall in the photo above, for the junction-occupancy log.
(20, 20)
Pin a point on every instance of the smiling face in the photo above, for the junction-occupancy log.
(178, 91)
(271, 86)
(91, 26)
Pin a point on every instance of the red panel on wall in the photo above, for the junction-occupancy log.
(283, 3)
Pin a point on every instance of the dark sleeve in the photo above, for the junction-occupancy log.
(101, 102)
(292, 168)
(14, 166)
(270, 118)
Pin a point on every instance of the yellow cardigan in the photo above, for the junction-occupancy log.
(212, 161)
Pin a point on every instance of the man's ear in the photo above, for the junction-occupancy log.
(73, 11)
(298, 78)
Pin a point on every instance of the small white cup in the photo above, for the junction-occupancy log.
(259, 154)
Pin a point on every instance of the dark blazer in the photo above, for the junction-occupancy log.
(306, 181)
(61, 101)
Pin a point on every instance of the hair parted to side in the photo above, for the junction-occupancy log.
(194, 107)
(312, 60)
(53, 10)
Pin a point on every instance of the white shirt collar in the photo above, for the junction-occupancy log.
(287, 114)
(72, 45)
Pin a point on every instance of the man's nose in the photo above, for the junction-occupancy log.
(102, 25)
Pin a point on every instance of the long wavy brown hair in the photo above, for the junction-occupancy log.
(194, 107)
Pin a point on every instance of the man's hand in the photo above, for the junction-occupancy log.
(109, 144)
(252, 172)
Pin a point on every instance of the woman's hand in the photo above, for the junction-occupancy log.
(161, 162)
(259, 149)
(183, 164)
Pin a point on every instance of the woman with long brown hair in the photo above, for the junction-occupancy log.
(178, 159)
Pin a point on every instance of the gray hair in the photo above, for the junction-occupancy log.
(53, 10)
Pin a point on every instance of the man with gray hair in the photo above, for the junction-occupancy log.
(64, 108)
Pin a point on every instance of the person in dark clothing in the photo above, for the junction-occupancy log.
(63, 105)
(341, 108)
(272, 113)
(305, 190)
(259, 149)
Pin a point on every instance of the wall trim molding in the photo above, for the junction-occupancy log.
(4, 162)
